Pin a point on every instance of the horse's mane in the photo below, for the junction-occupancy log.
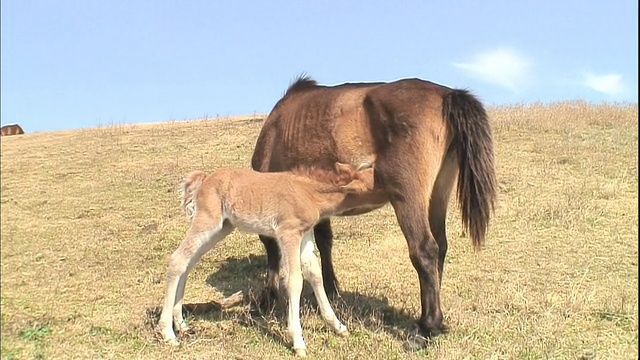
(303, 82)
(324, 176)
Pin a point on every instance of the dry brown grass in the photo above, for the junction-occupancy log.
(90, 217)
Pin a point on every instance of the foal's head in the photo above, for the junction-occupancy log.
(354, 180)
(344, 178)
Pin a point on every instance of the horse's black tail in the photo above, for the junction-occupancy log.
(472, 141)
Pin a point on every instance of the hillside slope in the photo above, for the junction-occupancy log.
(90, 217)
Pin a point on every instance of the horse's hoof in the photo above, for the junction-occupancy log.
(418, 339)
(300, 352)
(415, 339)
(268, 299)
(415, 342)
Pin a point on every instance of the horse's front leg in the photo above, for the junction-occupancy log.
(324, 240)
(270, 293)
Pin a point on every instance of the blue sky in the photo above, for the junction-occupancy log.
(76, 64)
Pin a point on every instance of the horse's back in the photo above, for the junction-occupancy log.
(320, 125)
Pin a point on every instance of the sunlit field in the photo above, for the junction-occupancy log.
(90, 217)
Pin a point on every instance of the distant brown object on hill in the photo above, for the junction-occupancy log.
(13, 129)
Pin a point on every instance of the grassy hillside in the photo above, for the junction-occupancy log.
(90, 217)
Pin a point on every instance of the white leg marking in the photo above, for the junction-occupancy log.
(313, 274)
(290, 249)
(182, 261)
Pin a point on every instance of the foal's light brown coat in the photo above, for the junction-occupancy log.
(285, 206)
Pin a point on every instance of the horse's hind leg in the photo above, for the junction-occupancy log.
(312, 273)
(324, 241)
(407, 173)
(445, 182)
(201, 237)
(424, 254)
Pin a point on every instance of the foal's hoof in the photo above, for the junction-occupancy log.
(183, 328)
(343, 331)
(167, 336)
(300, 352)
(172, 342)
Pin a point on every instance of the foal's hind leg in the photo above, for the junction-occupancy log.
(311, 272)
(177, 309)
(199, 240)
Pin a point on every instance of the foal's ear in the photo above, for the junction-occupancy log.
(343, 168)
(364, 182)
(354, 187)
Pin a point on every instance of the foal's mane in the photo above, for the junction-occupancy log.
(303, 82)
(324, 176)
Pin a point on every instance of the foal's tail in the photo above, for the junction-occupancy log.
(188, 190)
(472, 140)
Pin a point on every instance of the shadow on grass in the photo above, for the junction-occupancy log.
(247, 274)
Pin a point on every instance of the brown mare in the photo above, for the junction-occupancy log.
(283, 205)
(14, 129)
(421, 138)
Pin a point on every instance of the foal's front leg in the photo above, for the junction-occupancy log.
(290, 249)
(312, 273)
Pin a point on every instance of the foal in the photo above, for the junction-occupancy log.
(282, 205)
